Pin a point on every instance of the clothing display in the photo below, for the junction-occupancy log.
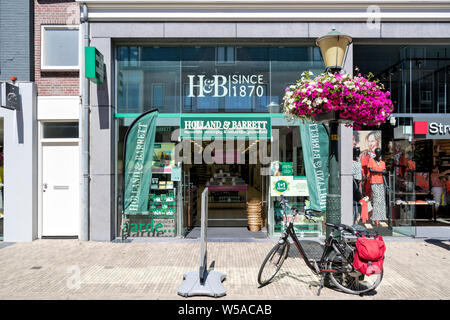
(366, 173)
(357, 170)
(378, 195)
(435, 181)
(357, 178)
(437, 189)
(422, 181)
(376, 178)
(437, 194)
(411, 165)
(378, 202)
(400, 164)
(364, 209)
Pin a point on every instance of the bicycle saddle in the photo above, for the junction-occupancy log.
(340, 227)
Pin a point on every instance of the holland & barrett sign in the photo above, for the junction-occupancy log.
(218, 86)
(225, 127)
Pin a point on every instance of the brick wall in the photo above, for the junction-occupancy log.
(54, 12)
(15, 40)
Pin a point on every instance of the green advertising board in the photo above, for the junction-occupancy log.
(225, 127)
(289, 186)
(287, 169)
(94, 65)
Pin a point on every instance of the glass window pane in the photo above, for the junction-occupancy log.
(60, 130)
(61, 47)
(416, 76)
(158, 96)
(209, 78)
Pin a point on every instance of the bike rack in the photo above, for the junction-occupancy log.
(203, 282)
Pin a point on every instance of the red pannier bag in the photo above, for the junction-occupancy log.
(369, 255)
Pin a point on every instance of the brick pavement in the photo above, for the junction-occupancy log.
(46, 269)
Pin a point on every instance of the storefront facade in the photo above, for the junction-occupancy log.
(229, 68)
(210, 86)
(415, 149)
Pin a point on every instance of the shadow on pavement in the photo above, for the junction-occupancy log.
(5, 244)
(439, 243)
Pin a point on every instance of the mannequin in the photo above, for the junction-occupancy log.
(377, 169)
(357, 177)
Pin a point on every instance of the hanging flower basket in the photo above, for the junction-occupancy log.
(328, 96)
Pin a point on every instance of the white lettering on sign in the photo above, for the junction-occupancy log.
(214, 124)
(136, 174)
(237, 85)
(439, 128)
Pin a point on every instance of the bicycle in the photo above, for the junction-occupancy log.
(336, 260)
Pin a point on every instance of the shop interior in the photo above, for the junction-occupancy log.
(421, 181)
(233, 184)
(414, 190)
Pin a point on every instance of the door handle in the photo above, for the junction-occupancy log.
(44, 187)
(61, 187)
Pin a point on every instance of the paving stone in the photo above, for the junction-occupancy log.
(154, 270)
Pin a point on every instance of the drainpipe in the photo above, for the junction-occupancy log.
(84, 236)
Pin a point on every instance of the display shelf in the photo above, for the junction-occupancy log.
(399, 199)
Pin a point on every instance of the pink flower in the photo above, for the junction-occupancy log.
(357, 98)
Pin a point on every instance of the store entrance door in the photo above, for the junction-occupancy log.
(232, 182)
(60, 189)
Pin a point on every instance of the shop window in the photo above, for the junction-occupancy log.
(226, 55)
(182, 79)
(60, 130)
(129, 56)
(59, 48)
(164, 193)
(157, 95)
(416, 76)
(130, 90)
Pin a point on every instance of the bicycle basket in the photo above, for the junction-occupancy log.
(369, 255)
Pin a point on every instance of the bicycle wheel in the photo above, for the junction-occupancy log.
(348, 280)
(272, 263)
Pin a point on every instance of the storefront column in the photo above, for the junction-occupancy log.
(102, 222)
(346, 156)
(346, 173)
(20, 167)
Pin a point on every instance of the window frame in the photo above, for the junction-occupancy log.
(43, 38)
(64, 139)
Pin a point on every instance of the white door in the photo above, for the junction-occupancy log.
(60, 189)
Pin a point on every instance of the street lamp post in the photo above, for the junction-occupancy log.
(333, 47)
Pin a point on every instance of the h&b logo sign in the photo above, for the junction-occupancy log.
(219, 86)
